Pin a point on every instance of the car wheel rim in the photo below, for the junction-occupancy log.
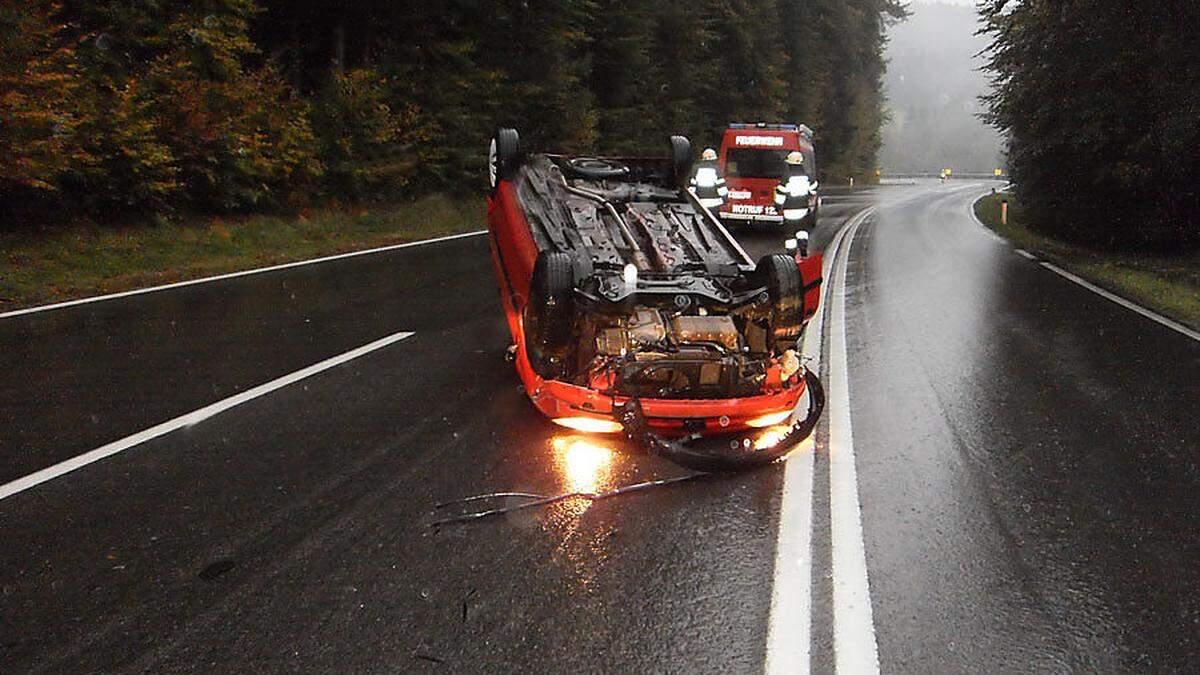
(493, 164)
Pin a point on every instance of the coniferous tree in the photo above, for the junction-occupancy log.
(682, 49)
(745, 82)
(805, 34)
(625, 77)
(1100, 105)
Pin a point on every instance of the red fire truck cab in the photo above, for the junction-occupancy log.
(753, 160)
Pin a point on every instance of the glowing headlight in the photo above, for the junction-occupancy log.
(769, 420)
(589, 425)
(770, 438)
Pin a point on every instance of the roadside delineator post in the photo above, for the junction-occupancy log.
(1004, 212)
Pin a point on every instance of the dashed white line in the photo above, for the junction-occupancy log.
(854, 642)
(233, 275)
(194, 417)
(1127, 304)
(1025, 254)
(789, 628)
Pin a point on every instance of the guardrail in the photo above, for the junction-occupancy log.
(959, 176)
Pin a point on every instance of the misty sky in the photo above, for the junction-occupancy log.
(933, 86)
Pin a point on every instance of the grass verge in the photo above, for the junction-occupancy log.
(1169, 286)
(83, 261)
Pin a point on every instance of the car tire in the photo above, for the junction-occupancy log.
(596, 168)
(504, 156)
(785, 289)
(681, 160)
(550, 311)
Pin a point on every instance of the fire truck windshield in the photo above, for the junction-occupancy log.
(755, 163)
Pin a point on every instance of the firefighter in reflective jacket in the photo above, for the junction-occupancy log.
(708, 184)
(794, 191)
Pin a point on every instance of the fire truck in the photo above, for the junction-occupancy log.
(753, 160)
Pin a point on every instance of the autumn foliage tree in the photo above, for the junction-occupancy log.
(119, 106)
(113, 106)
(40, 110)
(367, 138)
(240, 137)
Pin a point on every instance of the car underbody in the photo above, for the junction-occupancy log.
(666, 302)
(633, 308)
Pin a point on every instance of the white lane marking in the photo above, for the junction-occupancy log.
(1127, 304)
(232, 275)
(194, 417)
(789, 639)
(854, 643)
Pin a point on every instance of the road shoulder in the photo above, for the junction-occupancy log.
(1167, 286)
(80, 262)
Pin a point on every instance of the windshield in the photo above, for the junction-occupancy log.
(746, 163)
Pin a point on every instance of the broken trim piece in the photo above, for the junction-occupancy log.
(741, 459)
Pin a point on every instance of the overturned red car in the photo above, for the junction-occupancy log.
(632, 309)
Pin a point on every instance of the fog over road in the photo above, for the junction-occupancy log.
(1024, 457)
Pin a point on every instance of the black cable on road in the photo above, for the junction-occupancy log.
(706, 462)
(546, 500)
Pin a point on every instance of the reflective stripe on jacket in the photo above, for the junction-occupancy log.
(708, 184)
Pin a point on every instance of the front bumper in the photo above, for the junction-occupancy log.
(772, 446)
(667, 428)
(672, 417)
(762, 218)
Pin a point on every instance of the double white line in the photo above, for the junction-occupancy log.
(789, 639)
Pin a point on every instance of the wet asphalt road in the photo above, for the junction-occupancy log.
(1026, 456)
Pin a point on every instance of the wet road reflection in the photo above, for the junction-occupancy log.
(1028, 477)
(583, 464)
(322, 493)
